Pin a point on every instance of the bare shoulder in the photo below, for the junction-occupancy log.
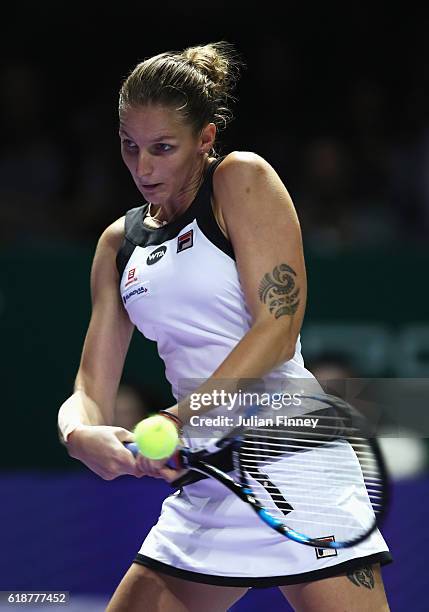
(243, 160)
(245, 178)
(241, 163)
(113, 235)
(248, 191)
(104, 263)
(240, 171)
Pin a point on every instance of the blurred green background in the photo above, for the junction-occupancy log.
(362, 304)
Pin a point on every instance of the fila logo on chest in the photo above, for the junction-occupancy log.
(185, 241)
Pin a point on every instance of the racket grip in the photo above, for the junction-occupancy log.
(132, 446)
(173, 462)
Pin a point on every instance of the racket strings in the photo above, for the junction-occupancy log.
(373, 490)
(306, 479)
(281, 440)
(256, 460)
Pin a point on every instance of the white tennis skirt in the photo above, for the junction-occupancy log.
(206, 534)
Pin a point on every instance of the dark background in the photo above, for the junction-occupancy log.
(336, 101)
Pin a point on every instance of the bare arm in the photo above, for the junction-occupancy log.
(109, 332)
(263, 227)
(84, 419)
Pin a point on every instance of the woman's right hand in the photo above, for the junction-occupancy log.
(101, 449)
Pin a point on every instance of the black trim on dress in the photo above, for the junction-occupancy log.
(138, 234)
(269, 581)
(206, 219)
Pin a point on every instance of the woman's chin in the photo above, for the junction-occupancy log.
(156, 200)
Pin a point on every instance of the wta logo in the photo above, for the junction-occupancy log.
(156, 255)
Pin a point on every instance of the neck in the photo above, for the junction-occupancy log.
(161, 214)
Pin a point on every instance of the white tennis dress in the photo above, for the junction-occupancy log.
(180, 286)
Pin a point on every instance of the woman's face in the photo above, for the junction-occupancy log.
(162, 152)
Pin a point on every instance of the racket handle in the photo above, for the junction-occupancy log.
(132, 446)
(173, 462)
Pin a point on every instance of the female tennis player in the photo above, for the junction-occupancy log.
(210, 267)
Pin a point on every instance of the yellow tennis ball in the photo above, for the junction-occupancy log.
(156, 437)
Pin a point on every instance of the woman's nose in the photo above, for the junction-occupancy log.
(144, 165)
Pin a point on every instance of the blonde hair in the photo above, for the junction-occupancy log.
(198, 82)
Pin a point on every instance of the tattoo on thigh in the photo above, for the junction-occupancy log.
(278, 290)
(363, 576)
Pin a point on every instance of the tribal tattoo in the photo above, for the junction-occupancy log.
(279, 292)
(364, 576)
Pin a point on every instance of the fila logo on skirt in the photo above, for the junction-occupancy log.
(321, 553)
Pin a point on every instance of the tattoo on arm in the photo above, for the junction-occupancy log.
(363, 576)
(279, 292)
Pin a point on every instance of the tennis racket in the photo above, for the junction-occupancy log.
(301, 481)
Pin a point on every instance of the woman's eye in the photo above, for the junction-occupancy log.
(162, 147)
(129, 144)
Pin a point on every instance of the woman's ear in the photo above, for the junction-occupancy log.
(208, 136)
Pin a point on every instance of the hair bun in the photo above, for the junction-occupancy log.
(197, 82)
(218, 62)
